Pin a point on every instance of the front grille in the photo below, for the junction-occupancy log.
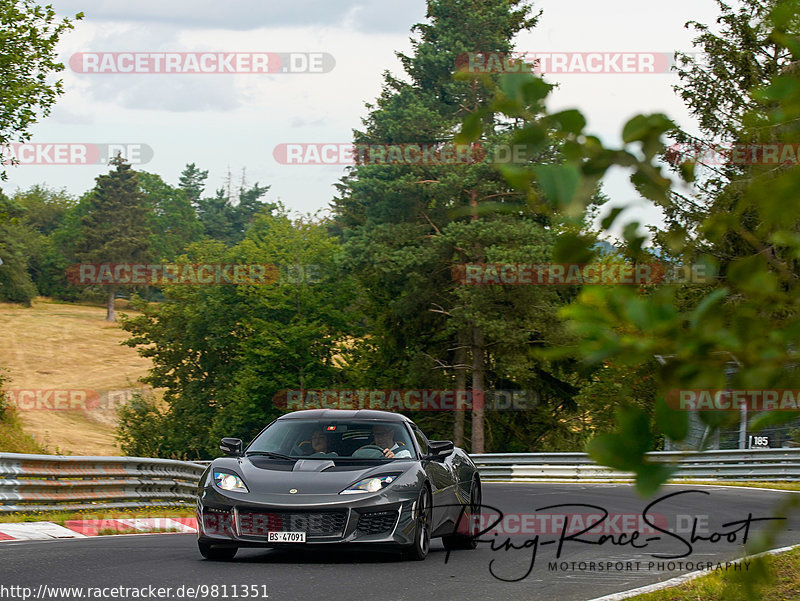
(376, 522)
(321, 523)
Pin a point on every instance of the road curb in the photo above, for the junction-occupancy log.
(87, 528)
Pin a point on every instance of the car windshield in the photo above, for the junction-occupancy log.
(331, 439)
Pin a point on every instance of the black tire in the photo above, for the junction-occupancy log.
(422, 529)
(459, 541)
(217, 553)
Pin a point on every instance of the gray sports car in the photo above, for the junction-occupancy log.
(325, 477)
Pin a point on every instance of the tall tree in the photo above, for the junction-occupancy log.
(422, 218)
(174, 223)
(44, 213)
(223, 352)
(742, 55)
(758, 293)
(116, 226)
(16, 285)
(193, 183)
(227, 215)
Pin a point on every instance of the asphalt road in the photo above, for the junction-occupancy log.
(485, 573)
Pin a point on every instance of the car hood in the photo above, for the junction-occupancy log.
(307, 476)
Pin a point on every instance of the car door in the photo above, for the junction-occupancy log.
(440, 474)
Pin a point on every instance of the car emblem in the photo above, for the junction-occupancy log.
(292, 490)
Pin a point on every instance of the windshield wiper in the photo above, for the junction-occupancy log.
(271, 454)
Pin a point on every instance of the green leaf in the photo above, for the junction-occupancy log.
(471, 129)
(535, 136)
(635, 129)
(632, 238)
(535, 90)
(650, 476)
(707, 303)
(559, 182)
(634, 426)
(571, 247)
(645, 127)
(609, 219)
(613, 451)
(671, 422)
(752, 275)
(518, 177)
(651, 184)
(687, 172)
(571, 121)
(773, 418)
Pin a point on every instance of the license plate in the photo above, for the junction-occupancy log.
(286, 537)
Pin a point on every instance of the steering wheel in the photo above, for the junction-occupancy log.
(371, 450)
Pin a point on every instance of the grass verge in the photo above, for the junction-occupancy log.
(12, 437)
(771, 578)
(754, 484)
(112, 532)
(59, 517)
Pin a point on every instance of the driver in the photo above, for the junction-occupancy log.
(384, 438)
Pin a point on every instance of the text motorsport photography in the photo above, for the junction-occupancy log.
(656, 539)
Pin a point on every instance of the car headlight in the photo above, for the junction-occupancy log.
(371, 484)
(228, 481)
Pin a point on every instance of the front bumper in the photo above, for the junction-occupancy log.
(385, 518)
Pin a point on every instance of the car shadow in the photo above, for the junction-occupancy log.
(323, 556)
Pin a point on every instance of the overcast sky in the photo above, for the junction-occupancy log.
(233, 121)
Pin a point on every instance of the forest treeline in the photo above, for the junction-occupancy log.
(368, 296)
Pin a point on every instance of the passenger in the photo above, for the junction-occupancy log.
(319, 442)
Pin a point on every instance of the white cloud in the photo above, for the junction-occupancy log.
(218, 121)
(362, 15)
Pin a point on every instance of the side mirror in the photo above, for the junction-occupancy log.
(439, 449)
(231, 446)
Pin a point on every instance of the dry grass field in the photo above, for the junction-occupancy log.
(68, 347)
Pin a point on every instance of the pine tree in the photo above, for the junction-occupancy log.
(115, 228)
(193, 182)
(408, 224)
(716, 90)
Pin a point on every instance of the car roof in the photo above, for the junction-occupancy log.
(346, 414)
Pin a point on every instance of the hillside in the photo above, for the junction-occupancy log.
(13, 439)
(68, 348)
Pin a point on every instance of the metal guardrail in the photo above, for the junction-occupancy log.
(755, 464)
(30, 483)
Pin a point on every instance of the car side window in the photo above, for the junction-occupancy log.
(421, 440)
